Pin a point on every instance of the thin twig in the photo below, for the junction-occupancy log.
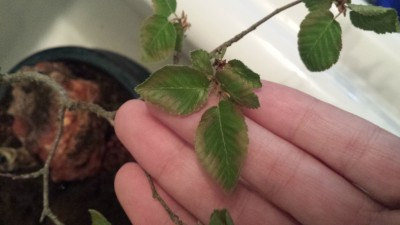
(53, 217)
(31, 175)
(46, 169)
(253, 27)
(60, 130)
(36, 77)
(94, 108)
(174, 218)
(64, 104)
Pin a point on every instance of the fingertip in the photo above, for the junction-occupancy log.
(133, 193)
(122, 175)
(125, 184)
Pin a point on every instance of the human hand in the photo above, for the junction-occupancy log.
(308, 163)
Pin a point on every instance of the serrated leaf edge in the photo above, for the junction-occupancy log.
(203, 158)
(313, 68)
(171, 9)
(161, 106)
(147, 57)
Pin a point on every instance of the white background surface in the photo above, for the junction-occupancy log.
(364, 82)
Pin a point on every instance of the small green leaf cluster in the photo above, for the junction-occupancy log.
(221, 217)
(97, 218)
(221, 137)
(159, 36)
(319, 38)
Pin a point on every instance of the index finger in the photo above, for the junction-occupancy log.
(362, 152)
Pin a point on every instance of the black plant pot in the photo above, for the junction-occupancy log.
(20, 201)
(127, 72)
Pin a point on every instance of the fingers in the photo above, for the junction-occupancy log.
(355, 148)
(302, 185)
(290, 178)
(388, 217)
(135, 195)
(172, 162)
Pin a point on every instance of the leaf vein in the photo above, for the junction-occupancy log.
(222, 135)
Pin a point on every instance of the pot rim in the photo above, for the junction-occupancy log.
(127, 72)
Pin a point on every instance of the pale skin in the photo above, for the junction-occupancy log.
(308, 163)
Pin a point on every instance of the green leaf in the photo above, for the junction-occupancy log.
(319, 40)
(369, 10)
(98, 218)
(179, 90)
(318, 4)
(158, 38)
(239, 81)
(164, 7)
(221, 217)
(374, 18)
(245, 73)
(221, 143)
(201, 61)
